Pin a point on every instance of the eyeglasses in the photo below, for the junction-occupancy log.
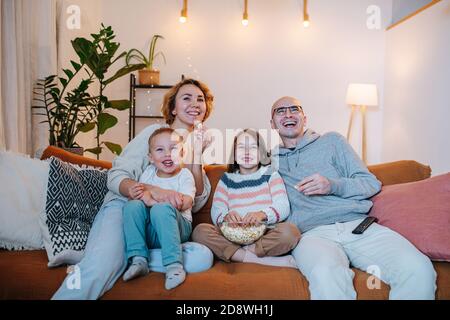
(282, 110)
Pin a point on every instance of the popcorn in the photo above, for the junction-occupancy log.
(198, 125)
(243, 235)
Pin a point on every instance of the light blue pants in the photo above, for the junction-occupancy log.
(161, 226)
(324, 256)
(104, 258)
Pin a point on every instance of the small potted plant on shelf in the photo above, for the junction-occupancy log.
(147, 75)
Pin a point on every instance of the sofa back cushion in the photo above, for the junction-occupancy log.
(420, 211)
(387, 173)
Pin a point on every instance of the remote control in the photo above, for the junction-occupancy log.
(364, 225)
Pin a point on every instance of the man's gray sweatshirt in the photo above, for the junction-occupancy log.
(332, 157)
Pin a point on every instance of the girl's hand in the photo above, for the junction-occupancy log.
(254, 218)
(233, 218)
(136, 191)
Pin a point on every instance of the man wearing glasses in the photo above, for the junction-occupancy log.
(328, 186)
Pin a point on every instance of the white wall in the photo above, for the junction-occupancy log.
(249, 68)
(417, 98)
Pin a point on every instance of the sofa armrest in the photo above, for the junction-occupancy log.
(74, 158)
(400, 172)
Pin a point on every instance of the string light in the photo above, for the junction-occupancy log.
(245, 16)
(306, 21)
(183, 16)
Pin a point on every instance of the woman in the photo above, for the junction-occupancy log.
(185, 105)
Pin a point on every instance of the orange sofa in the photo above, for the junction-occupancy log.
(24, 274)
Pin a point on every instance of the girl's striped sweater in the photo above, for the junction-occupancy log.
(263, 190)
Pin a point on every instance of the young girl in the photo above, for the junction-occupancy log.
(151, 224)
(251, 193)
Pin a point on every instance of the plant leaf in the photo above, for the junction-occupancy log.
(63, 81)
(123, 54)
(95, 151)
(139, 56)
(119, 104)
(124, 71)
(114, 147)
(162, 55)
(75, 65)
(68, 73)
(86, 127)
(105, 121)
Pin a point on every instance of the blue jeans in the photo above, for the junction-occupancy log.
(104, 258)
(160, 226)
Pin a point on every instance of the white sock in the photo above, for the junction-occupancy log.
(138, 268)
(283, 261)
(175, 275)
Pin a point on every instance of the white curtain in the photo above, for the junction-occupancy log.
(28, 52)
(2, 128)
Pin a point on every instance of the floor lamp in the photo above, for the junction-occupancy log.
(361, 96)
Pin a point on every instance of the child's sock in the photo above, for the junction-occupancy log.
(239, 255)
(138, 268)
(283, 261)
(250, 247)
(175, 275)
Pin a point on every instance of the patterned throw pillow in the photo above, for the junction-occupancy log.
(74, 196)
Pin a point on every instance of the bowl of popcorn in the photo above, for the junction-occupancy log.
(241, 233)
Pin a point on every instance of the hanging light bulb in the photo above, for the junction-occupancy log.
(183, 16)
(306, 21)
(245, 16)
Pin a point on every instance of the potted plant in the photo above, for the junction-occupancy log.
(70, 112)
(147, 75)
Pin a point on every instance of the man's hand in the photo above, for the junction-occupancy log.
(315, 185)
(254, 218)
(233, 218)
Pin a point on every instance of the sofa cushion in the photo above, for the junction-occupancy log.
(74, 197)
(420, 211)
(400, 172)
(24, 275)
(22, 199)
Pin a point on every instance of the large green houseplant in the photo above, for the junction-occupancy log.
(148, 74)
(69, 112)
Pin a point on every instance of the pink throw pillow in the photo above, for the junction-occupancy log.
(419, 211)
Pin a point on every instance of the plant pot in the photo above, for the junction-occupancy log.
(78, 151)
(149, 77)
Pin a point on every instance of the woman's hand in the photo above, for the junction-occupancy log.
(254, 218)
(147, 198)
(163, 195)
(202, 139)
(136, 191)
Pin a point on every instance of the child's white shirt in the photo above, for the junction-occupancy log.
(183, 182)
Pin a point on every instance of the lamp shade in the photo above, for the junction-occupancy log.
(362, 94)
